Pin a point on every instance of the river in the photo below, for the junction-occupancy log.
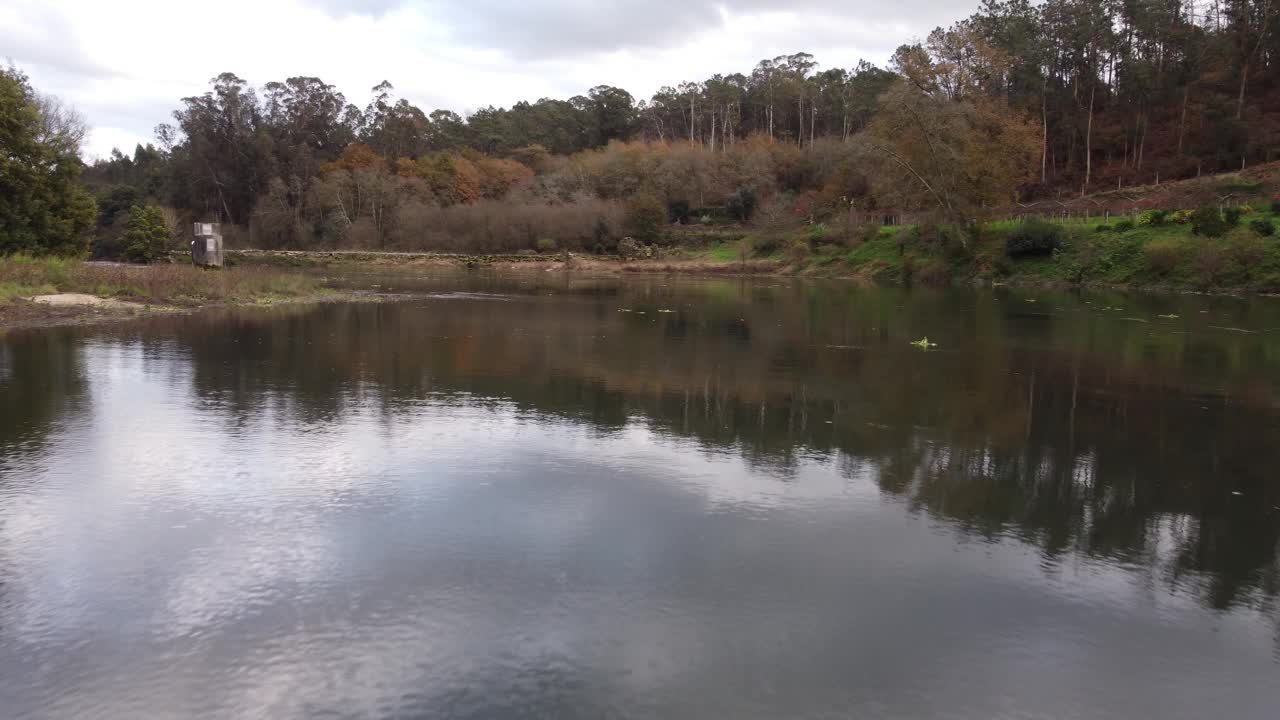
(551, 496)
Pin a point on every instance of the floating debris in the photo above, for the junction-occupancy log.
(924, 344)
(1135, 319)
(1237, 493)
(1169, 317)
(666, 311)
(1234, 329)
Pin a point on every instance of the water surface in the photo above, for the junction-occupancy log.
(545, 496)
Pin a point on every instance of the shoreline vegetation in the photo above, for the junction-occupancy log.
(54, 291)
(1233, 250)
(1229, 251)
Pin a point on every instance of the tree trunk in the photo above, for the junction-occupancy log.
(1182, 124)
(1044, 136)
(1088, 142)
(1244, 80)
(692, 139)
(713, 128)
(800, 117)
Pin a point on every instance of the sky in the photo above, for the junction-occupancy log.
(125, 64)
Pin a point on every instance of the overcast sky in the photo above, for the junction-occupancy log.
(126, 63)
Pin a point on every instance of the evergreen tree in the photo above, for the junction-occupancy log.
(146, 236)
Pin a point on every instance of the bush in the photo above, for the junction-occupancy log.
(601, 233)
(645, 217)
(1246, 251)
(766, 244)
(1102, 228)
(1162, 256)
(932, 236)
(861, 233)
(1275, 207)
(1033, 238)
(817, 233)
(934, 273)
(495, 226)
(1263, 228)
(1208, 222)
(1001, 266)
(798, 250)
(1181, 217)
(1154, 218)
(546, 245)
(741, 204)
(1209, 264)
(678, 212)
(1124, 226)
(1232, 215)
(146, 237)
(630, 249)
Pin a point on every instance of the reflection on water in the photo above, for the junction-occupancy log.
(646, 498)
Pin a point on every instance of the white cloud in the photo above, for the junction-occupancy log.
(126, 64)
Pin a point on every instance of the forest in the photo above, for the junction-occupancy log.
(1021, 100)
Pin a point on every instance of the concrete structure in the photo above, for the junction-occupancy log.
(206, 249)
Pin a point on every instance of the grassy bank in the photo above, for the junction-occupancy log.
(1165, 255)
(173, 285)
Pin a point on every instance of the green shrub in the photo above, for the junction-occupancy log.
(1033, 238)
(1073, 266)
(1001, 266)
(1181, 217)
(1124, 226)
(1263, 228)
(645, 217)
(146, 236)
(1275, 207)
(1154, 218)
(1102, 228)
(741, 204)
(1208, 222)
(1162, 256)
(766, 244)
(545, 245)
(817, 233)
(1232, 216)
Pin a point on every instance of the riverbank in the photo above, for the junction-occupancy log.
(57, 291)
(1149, 252)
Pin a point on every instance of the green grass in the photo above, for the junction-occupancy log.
(1167, 255)
(23, 276)
(723, 252)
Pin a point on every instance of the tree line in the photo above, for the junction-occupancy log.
(1018, 100)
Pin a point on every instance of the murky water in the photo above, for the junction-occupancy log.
(647, 498)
